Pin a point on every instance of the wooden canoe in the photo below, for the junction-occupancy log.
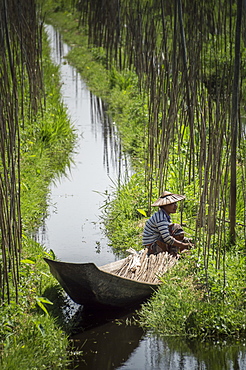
(89, 285)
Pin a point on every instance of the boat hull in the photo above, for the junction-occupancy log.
(89, 285)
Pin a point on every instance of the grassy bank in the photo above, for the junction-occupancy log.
(196, 299)
(190, 305)
(31, 338)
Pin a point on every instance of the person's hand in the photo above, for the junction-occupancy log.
(191, 245)
(186, 246)
(184, 251)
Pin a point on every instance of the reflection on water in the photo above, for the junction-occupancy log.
(106, 347)
(116, 345)
(112, 153)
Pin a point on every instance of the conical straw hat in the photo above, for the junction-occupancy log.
(167, 198)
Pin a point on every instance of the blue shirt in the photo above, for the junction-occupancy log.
(156, 228)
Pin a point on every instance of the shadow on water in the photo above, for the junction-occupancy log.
(106, 346)
(99, 339)
(113, 340)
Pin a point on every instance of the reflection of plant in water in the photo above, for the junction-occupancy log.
(98, 247)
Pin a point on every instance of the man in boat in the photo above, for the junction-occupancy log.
(158, 235)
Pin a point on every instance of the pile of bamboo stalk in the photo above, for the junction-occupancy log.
(146, 268)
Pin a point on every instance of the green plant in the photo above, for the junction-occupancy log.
(194, 305)
(32, 344)
(122, 218)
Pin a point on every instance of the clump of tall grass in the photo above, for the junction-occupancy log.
(192, 305)
(27, 344)
(29, 335)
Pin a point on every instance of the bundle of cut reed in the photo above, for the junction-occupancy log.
(144, 268)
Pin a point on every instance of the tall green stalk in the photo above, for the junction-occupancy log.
(234, 123)
(19, 76)
(182, 53)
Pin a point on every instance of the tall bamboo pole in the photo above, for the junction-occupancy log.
(234, 124)
(20, 86)
(182, 52)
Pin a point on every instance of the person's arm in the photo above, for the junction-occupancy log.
(163, 226)
(181, 245)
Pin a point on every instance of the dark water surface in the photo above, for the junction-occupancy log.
(73, 231)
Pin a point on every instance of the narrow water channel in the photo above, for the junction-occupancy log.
(73, 228)
(73, 231)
